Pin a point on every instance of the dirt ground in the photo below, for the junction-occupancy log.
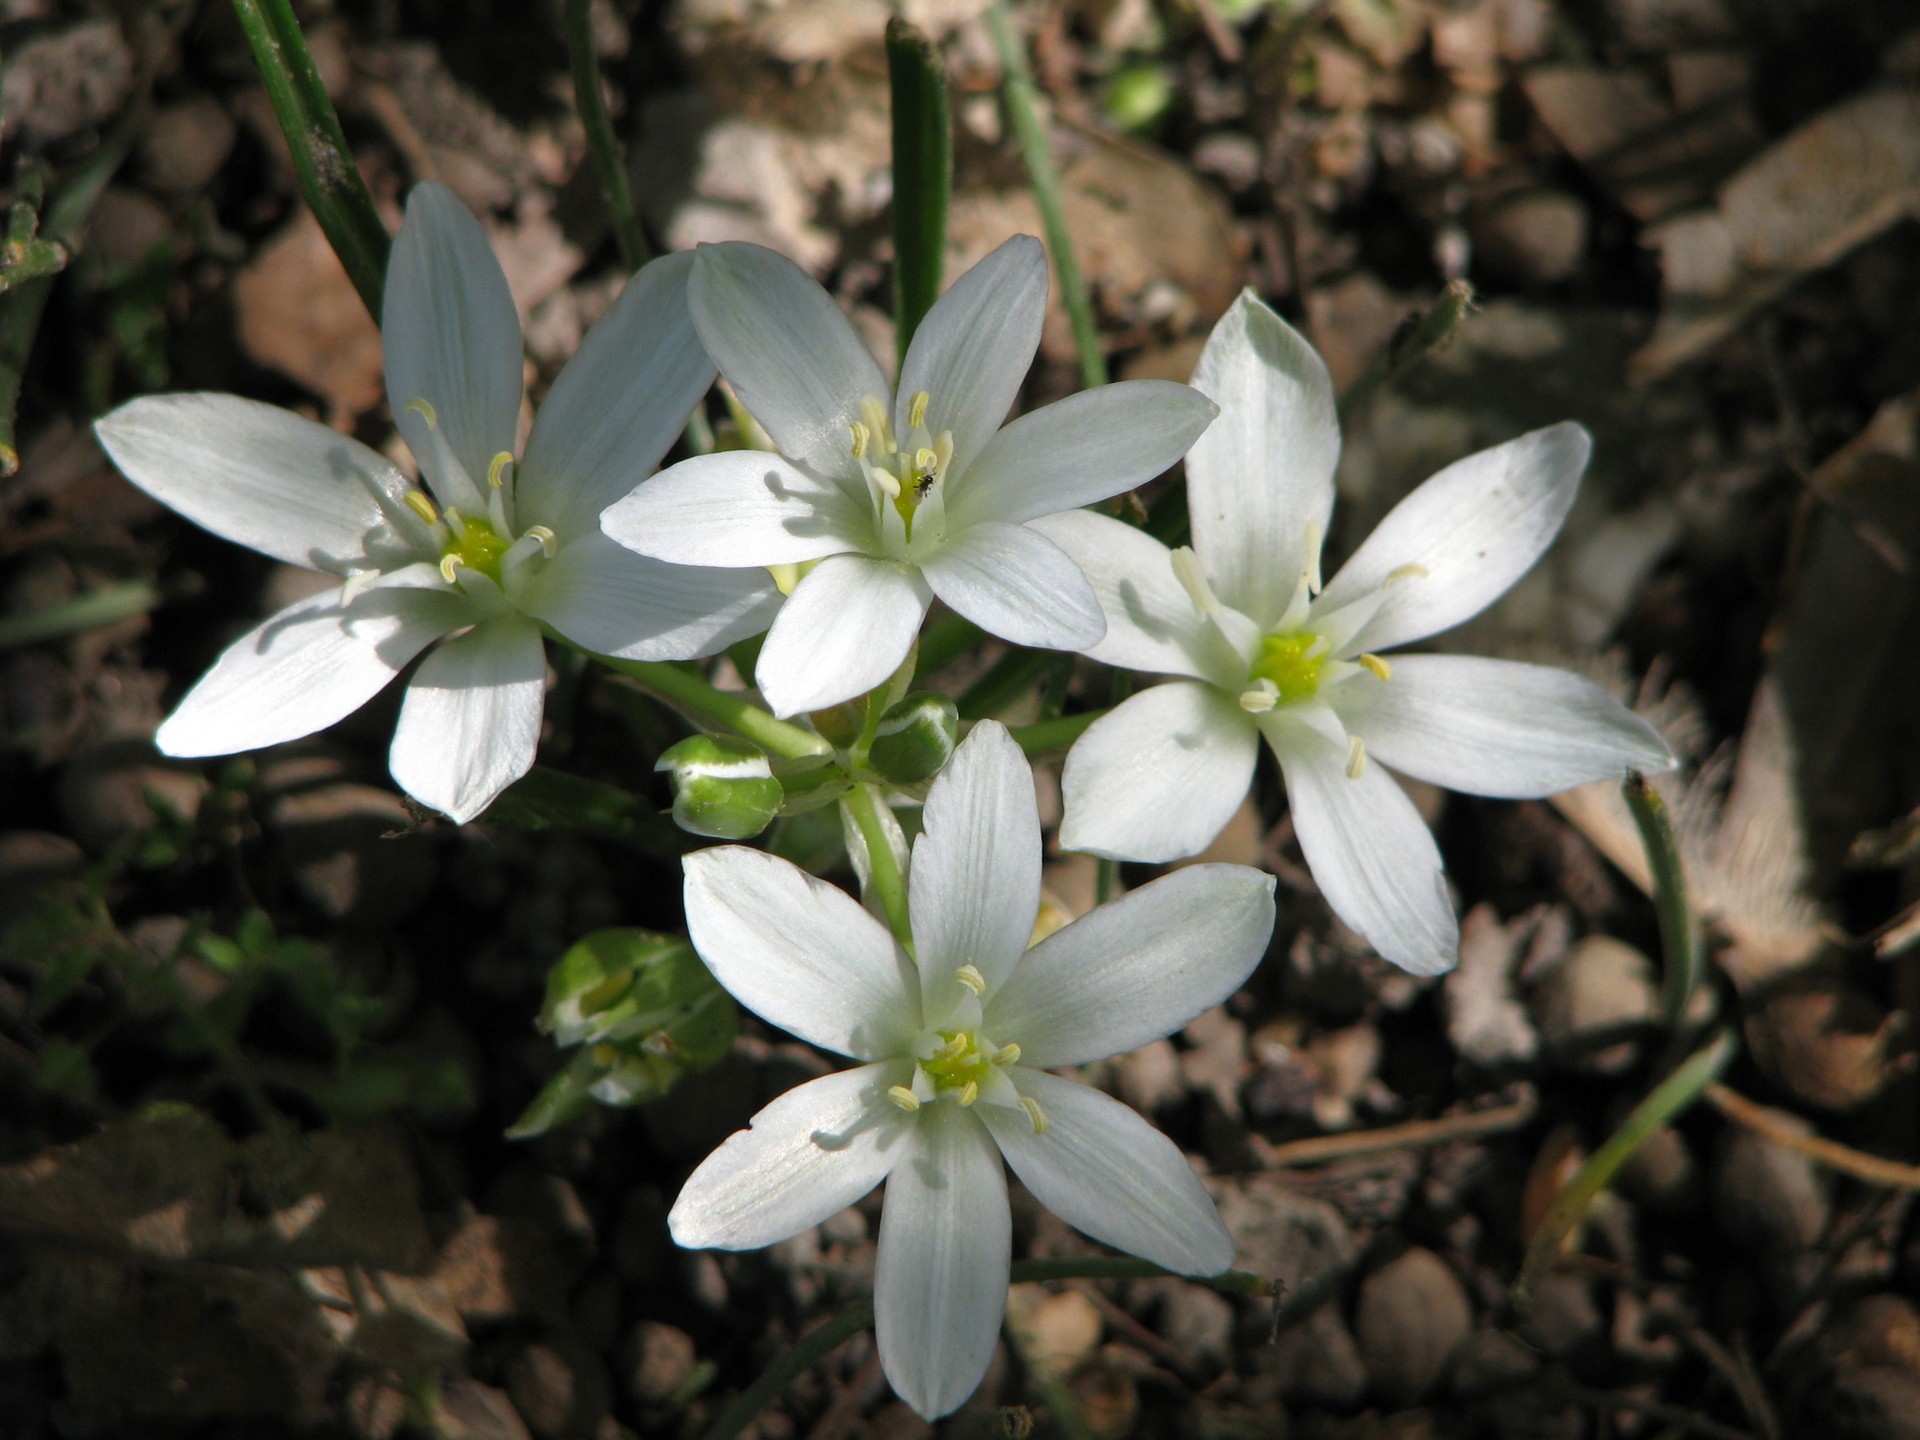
(263, 1028)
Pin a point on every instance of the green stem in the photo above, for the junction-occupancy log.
(1673, 1095)
(591, 101)
(1044, 736)
(822, 1340)
(1679, 940)
(863, 803)
(687, 688)
(1419, 334)
(1024, 112)
(324, 166)
(922, 175)
(34, 260)
(84, 612)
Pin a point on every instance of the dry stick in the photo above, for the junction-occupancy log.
(1831, 1153)
(1414, 1134)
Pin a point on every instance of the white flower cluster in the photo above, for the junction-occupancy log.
(890, 496)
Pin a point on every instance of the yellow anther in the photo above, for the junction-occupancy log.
(925, 462)
(1376, 666)
(972, 979)
(861, 435)
(1036, 1117)
(1262, 698)
(499, 463)
(421, 506)
(954, 1048)
(550, 542)
(1356, 757)
(969, 1093)
(1406, 572)
(449, 563)
(904, 1098)
(1007, 1054)
(917, 410)
(425, 412)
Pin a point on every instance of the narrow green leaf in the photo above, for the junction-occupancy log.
(591, 101)
(1679, 939)
(922, 174)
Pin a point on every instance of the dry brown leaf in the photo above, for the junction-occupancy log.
(1835, 182)
(299, 314)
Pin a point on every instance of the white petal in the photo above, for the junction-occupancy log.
(974, 347)
(602, 596)
(1152, 625)
(1079, 450)
(940, 1280)
(800, 953)
(618, 406)
(1497, 727)
(737, 508)
(259, 476)
(1370, 852)
(1157, 777)
(1137, 969)
(847, 626)
(451, 334)
(1111, 1175)
(1262, 475)
(1473, 529)
(975, 879)
(810, 1154)
(305, 668)
(470, 722)
(790, 353)
(1015, 583)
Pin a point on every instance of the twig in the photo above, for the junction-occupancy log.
(1413, 1135)
(1024, 113)
(1773, 1125)
(591, 101)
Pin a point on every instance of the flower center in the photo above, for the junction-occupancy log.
(959, 1063)
(1291, 664)
(904, 471)
(474, 543)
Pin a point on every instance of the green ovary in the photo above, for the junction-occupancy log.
(1293, 663)
(959, 1062)
(479, 546)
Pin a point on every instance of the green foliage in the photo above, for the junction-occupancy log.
(642, 1011)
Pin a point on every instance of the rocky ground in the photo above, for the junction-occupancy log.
(262, 1029)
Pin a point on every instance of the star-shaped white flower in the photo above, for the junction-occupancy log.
(488, 552)
(899, 496)
(1267, 652)
(955, 1051)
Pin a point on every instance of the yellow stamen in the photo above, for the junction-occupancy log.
(425, 412)
(500, 462)
(1406, 572)
(1356, 757)
(917, 410)
(953, 1049)
(449, 563)
(421, 506)
(1376, 666)
(969, 1093)
(904, 1098)
(550, 542)
(1260, 699)
(1036, 1117)
(925, 462)
(861, 435)
(970, 977)
(1007, 1054)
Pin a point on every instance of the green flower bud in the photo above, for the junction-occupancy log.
(722, 786)
(839, 725)
(915, 738)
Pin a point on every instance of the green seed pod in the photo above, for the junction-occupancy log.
(722, 786)
(915, 738)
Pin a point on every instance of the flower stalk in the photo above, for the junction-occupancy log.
(591, 101)
(922, 175)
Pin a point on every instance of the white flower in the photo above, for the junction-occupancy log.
(487, 553)
(1264, 654)
(955, 1053)
(903, 496)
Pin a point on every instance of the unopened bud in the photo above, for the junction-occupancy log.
(722, 786)
(839, 725)
(915, 738)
